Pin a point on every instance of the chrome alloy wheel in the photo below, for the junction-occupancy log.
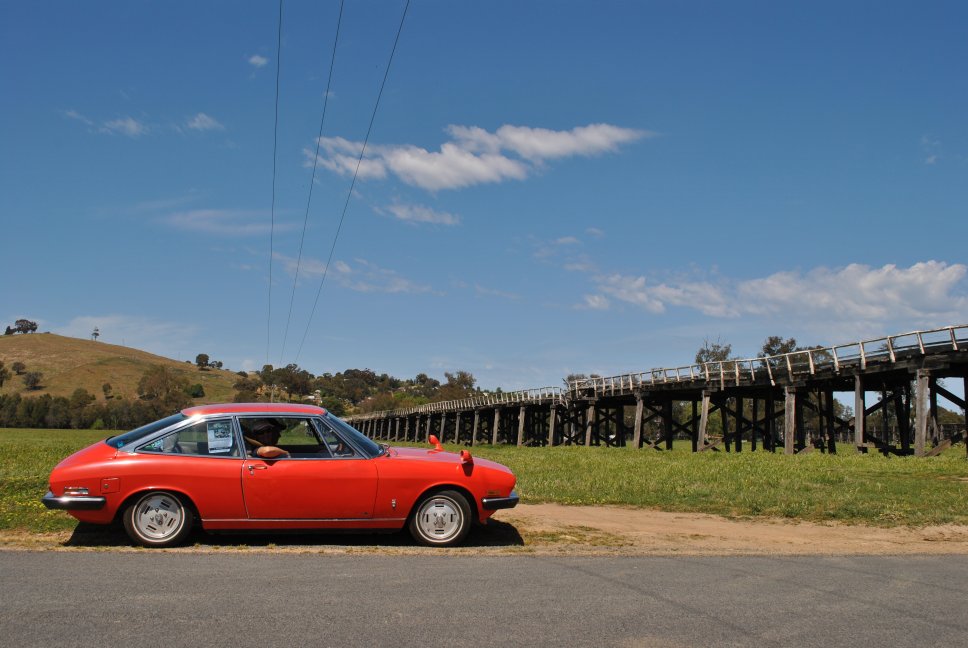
(157, 519)
(441, 519)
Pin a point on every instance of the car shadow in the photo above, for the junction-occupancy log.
(494, 534)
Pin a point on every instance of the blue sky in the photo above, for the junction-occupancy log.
(549, 187)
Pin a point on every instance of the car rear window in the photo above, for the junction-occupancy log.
(139, 433)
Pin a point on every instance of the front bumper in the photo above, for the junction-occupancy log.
(73, 502)
(496, 503)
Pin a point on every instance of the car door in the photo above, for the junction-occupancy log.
(313, 483)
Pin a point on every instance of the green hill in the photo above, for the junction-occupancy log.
(68, 363)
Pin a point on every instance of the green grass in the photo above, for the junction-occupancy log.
(848, 487)
(26, 459)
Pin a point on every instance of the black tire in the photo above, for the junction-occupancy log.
(158, 519)
(441, 519)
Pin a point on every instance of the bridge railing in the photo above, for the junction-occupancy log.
(786, 366)
(541, 395)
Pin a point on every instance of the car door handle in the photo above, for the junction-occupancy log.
(252, 467)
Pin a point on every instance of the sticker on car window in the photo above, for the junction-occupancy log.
(219, 437)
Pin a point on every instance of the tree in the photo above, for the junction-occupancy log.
(9, 331)
(164, 388)
(95, 334)
(202, 361)
(32, 380)
(713, 352)
(4, 374)
(459, 385)
(196, 391)
(24, 326)
(247, 389)
(776, 345)
(215, 364)
(107, 389)
(18, 368)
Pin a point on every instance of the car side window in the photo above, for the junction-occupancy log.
(336, 445)
(212, 438)
(300, 439)
(297, 436)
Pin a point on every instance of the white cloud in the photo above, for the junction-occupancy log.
(224, 222)
(368, 277)
(473, 156)
(308, 267)
(494, 292)
(924, 294)
(595, 302)
(595, 232)
(362, 276)
(73, 114)
(202, 122)
(128, 126)
(257, 61)
(421, 214)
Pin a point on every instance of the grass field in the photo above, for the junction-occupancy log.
(852, 488)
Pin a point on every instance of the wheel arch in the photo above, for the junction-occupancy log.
(131, 497)
(436, 488)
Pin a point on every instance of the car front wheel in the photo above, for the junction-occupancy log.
(158, 519)
(441, 519)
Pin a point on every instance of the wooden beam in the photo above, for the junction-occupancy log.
(552, 415)
(667, 422)
(789, 420)
(522, 417)
(703, 421)
(637, 426)
(831, 422)
(922, 396)
(497, 425)
(738, 436)
(860, 415)
(477, 422)
(589, 423)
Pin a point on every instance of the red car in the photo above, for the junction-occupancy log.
(274, 466)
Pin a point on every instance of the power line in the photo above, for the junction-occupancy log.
(272, 212)
(349, 194)
(312, 181)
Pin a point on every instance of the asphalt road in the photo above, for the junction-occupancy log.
(275, 599)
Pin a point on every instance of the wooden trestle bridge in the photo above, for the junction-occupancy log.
(782, 401)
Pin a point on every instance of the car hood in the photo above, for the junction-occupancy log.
(441, 456)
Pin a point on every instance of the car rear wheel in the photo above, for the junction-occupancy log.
(441, 519)
(158, 519)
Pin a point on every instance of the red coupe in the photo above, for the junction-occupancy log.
(262, 466)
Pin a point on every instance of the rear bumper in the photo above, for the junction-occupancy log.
(496, 503)
(73, 502)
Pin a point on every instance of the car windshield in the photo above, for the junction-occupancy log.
(143, 431)
(369, 448)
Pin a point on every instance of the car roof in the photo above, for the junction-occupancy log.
(254, 408)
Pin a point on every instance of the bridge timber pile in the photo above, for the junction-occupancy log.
(763, 401)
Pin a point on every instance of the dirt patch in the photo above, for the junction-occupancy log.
(564, 530)
(638, 531)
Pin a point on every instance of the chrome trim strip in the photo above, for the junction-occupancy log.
(496, 503)
(73, 502)
(260, 520)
